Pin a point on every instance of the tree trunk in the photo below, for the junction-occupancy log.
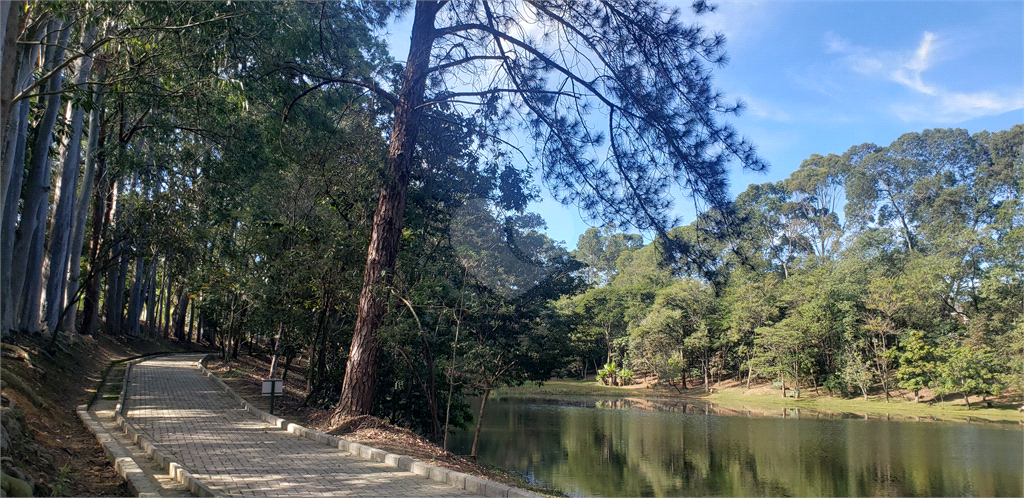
(208, 332)
(287, 363)
(32, 286)
(160, 294)
(361, 370)
(11, 16)
(277, 350)
(135, 300)
(91, 306)
(479, 423)
(166, 327)
(178, 321)
(8, 298)
(750, 371)
(82, 207)
(707, 386)
(150, 298)
(12, 164)
(191, 322)
(26, 268)
(114, 299)
(61, 225)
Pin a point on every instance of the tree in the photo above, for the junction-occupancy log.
(765, 233)
(816, 188)
(917, 365)
(780, 351)
(676, 326)
(748, 306)
(648, 76)
(600, 250)
(604, 315)
(967, 370)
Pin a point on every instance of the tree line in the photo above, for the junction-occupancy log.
(219, 172)
(884, 268)
(266, 176)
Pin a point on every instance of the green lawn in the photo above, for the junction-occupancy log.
(739, 398)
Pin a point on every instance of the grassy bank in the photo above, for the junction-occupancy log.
(767, 401)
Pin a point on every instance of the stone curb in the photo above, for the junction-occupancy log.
(442, 475)
(124, 465)
(174, 469)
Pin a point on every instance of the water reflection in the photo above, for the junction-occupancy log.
(637, 447)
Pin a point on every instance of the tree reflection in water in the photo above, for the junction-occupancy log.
(641, 447)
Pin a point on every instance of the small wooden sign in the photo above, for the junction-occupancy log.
(273, 386)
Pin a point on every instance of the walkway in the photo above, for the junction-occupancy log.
(235, 453)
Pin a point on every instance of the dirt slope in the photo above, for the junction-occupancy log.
(43, 440)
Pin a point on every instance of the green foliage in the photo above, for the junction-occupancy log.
(248, 173)
(608, 374)
(62, 483)
(967, 369)
(917, 362)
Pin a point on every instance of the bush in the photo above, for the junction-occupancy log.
(607, 375)
(626, 376)
(836, 386)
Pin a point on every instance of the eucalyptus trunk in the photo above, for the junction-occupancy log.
(59, 250)
(114, 299)
(82, 209)
(165, 328)
(33, 284)
(135, 299)
(178, 322)
(26, 267)
(12, 162)
(361, 370)
(11, 14)
(7, 236)
(151, 299)
(100, 210)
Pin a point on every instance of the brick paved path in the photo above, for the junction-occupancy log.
(235, 453)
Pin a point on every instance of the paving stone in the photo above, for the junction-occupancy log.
(190, 418)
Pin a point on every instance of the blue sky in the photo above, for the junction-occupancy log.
(819, 77)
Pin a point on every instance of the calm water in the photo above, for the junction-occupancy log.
(606, 447)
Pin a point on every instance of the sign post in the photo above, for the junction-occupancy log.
(272, 387)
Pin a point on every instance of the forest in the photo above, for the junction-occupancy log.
(266, 176)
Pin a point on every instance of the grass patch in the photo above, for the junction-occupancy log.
(770, 401)
(123, 365)
(570, 387)
(873, 407)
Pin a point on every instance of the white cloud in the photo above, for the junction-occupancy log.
(956, 107)
(909, 74)
(909, 68)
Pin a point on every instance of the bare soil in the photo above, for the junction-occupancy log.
(245, 375)
(48, 444)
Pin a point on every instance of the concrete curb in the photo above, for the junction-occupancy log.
(174, 469)
(442, 475)
(124, 465)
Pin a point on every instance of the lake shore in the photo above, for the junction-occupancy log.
(764, 399)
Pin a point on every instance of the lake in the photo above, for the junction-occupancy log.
(591, 446)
